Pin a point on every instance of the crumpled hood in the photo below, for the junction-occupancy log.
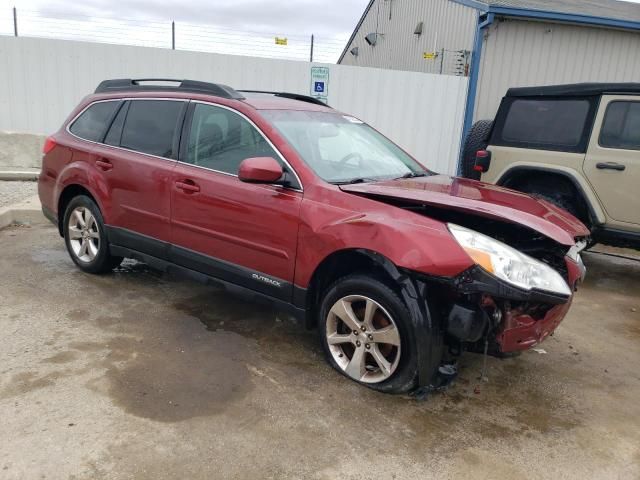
(481, 199)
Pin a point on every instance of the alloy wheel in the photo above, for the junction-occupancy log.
(84, 235)
(363, 339)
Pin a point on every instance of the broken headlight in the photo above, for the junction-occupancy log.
(509, 264)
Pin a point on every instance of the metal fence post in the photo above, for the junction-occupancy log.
(173, 35)
(15, 22)
(311, 54)
(442, 62)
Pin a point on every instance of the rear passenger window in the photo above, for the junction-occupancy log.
(150, 126)
(546, 122)
(220, 140)
(115, 131)
(557, 124)
(621, 126)
(94, 121)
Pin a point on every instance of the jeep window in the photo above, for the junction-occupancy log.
(220, 140)
(150, 126)
(549, 124)
(340, 148)
(93, 122)
(621, 126)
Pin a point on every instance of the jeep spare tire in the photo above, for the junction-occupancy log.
(476, 140)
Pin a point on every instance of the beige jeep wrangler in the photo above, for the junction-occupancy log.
(577, 146)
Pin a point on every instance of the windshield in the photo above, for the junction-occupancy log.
(342, 149)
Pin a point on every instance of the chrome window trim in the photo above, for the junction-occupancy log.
(123, 99)
(251, 122)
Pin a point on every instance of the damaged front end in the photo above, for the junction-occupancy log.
(482, 308)
(514, 297)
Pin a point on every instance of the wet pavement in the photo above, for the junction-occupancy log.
(147, 376)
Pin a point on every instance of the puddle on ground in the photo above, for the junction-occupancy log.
(164, 365)
(25, 382)
(173, 379)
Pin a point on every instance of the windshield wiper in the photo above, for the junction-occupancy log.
(354, 181)
(412, 175)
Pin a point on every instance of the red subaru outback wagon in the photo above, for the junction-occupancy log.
(280, 197)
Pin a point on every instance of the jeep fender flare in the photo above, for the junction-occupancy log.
(582, 187)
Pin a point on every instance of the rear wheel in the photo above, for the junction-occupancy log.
(366, 333)
(85, 236)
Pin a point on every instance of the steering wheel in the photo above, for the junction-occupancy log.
(352, 156)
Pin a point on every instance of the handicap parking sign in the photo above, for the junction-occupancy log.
(319, 85)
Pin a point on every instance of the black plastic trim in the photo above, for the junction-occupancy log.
(477, 280)
(575, 90)
(291, 96)
(245, 277)
(136, 241)
(299, 296)
(210, 266)
(617, 238)
(509, 174)
(192, 86)
(245, 292)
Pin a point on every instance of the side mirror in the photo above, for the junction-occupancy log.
(260, 170)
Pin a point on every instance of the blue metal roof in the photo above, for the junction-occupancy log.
(606, 13)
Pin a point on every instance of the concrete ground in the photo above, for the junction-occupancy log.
(140, 375)
(12, 192)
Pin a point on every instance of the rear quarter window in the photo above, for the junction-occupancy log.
(545, 124)
(621, 126)
(93, 122)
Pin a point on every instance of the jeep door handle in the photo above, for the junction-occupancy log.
(188, 186)
(611, 166)
(104, 165)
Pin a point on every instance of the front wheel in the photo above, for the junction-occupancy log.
(367, 335)
(85, 237)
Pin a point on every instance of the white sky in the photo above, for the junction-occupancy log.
(245, 27)
(229, 26)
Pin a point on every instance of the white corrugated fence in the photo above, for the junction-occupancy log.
(44, 79)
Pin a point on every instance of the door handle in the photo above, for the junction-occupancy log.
(611, 166)
(188, 186)
(104, 165)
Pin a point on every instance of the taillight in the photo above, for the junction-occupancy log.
(483, 161)
(49, 144)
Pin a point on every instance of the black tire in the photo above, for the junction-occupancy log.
(404, 378)
(103, 261)
(476, 140)
(562, 201)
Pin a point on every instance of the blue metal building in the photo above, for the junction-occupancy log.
(506, 43)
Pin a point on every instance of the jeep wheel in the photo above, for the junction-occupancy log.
(366, 334)
(561, 201)
(85, 237)
(476, 140)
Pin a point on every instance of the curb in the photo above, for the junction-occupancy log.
(21, 175)
(27, 212)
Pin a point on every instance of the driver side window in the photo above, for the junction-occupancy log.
(220, 140)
